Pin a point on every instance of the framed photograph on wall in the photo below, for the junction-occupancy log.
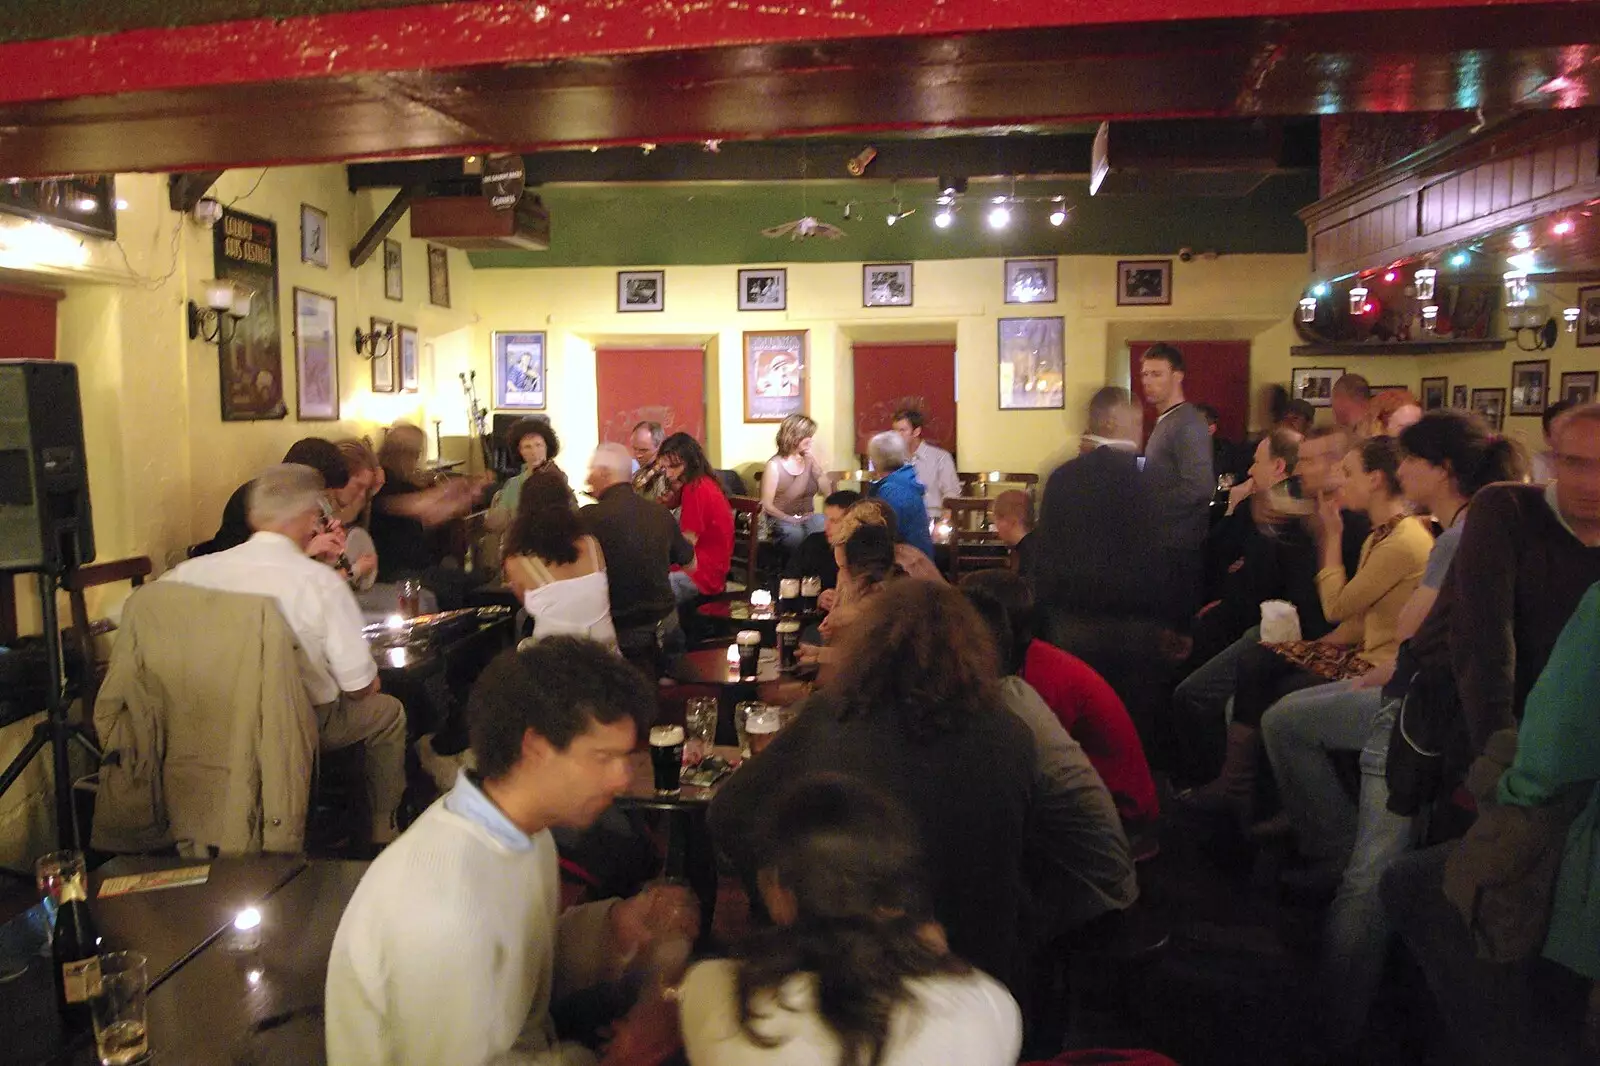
(410, 346)
(1458, 398)
(764, 290)
(775, 375)
(438, 276)
(1144, 282)
(886, 285)
(1033, 363)
(316, 357)
(1314, 385)
(383, 375)
(394, 278)
(641, 290)
(1490, 404)
(1530, 386)
(1580, 387)
(1435, 393)
(1030, 281)
(1589, 317)
(250, 359)
(313, 236)
(519, 383)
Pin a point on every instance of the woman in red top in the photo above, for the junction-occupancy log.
(1087, 707)
(704, 515)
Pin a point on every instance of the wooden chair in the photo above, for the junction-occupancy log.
(133, 570)
(994, 482)
(973, 545)
(746, 543)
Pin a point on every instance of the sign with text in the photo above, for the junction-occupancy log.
(504, 178)
(251, 350)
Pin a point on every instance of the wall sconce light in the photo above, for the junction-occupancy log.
(1516, 282)
(1430, 317)
(374, 343)
(1358, 299)
(1308, 308)
(218, 321)
(1425, 280)
(1570, 316)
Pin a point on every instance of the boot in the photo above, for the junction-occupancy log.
(1234, 789)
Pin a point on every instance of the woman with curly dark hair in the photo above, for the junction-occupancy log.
(704, 515)
(914, 708)
(534, 441)
(556, 569)
(855, 971)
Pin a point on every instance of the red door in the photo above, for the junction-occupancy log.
(1215, 373)
(666, 385)
(894, 376)
(30, 318)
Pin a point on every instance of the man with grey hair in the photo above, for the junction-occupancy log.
(641, 542)
(338, 670)
(900, 489)
(649, 480)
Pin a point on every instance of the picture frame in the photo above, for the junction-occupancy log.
(313, 236)
(384, 378)
(1490, 405)
(394, 277)
(250, 361)
(886, 285)
(1314, 384)
(1030, 281)
(641, 290)
(1032, 364)
(776, 374)
(410, 345)
(1530, 386)
(1144, 282)
(1588, 317)
(1579, 387)
(1458, 398)
(519, 370)
(438, 276)
(1435, 393)
(764, 290)
(316, 356)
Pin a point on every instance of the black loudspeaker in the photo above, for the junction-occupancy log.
(45, 522)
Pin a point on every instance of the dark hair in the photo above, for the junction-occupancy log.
(1006, 602)
(1353, 385)
(546, 525)
(920, 653)
(1301, 408)
(1462, 445)
(843, 499)
(527, 427)
(1277, 402)
(908, 414)
(1167, 354)
(1552, 412)
(324, 457)
(1381, 455)
(556, 688)
(1207, 412)
(687, 450)
(1104, 403)
(869, 553)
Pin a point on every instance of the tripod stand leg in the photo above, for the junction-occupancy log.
(41, 737)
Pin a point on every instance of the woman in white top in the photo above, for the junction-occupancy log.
(557, 571)
(854, 971)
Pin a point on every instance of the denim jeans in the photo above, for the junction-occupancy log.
(684, 590)
(1199, 708)
(787, 535)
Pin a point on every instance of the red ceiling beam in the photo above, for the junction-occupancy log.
(471, 33)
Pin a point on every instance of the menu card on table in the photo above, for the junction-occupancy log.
(156, 879)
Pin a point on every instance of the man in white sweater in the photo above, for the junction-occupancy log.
(453, 946)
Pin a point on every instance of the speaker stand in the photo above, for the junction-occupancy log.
(56, 732)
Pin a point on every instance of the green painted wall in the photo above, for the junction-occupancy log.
(663, 225)
(25, 20)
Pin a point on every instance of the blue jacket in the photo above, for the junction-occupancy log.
(906, 497)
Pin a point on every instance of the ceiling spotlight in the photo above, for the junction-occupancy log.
(1564, 227)
(951, 187)
(85, 204)
(1460, 259)
(944, 218)
(1057, 217)
(999, 216)
(1521, 241)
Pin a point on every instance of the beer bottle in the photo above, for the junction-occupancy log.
(75, 950)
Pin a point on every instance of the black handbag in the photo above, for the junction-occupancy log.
(1426, 744)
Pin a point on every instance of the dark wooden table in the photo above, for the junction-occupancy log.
(414, 670)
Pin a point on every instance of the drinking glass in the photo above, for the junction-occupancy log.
(666, 758)
(762, 727)
(700, 723)
(741, 716)
(410, 591)
(120, 1035)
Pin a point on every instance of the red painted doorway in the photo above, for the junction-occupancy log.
(666, 385)
(892, 376)
(1216, 373)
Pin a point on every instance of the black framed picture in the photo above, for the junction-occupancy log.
(1458, 398)
(1435, 393)
(394, 279)
(641, 290)
(886, 285)
(1589, 317)
(764, 290)
(438, 276)
(1314, 385)
(1144, 282)
(1490, 404)
(410, 345)
(383, 375)
(1530, 386)
(1030, 281)
(313, 236)
(1579, 387)
(519, 383)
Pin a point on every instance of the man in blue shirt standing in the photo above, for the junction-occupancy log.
(900, 489)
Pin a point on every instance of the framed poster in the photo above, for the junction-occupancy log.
(886, 285)
(1032, 364)
(394, 278)
(313, 236)
(438, 276)
(1030, 281)
(641, 290)
(1491, 405)
(775, 378)
(1314, 385)
(1144, 282)
(764, 290)
(383, 376)
(1435, 393)
(519, 383)
(1579, 387)
(86, 205)
(1458, 398)
(1589, 316)
(1530, 386)
(410, 357)
(251, 360)
(316, 357)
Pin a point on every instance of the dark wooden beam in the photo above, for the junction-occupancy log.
(383, 224)
(184, 191)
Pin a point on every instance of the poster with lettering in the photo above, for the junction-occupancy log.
(774, 375)
(251, 352)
